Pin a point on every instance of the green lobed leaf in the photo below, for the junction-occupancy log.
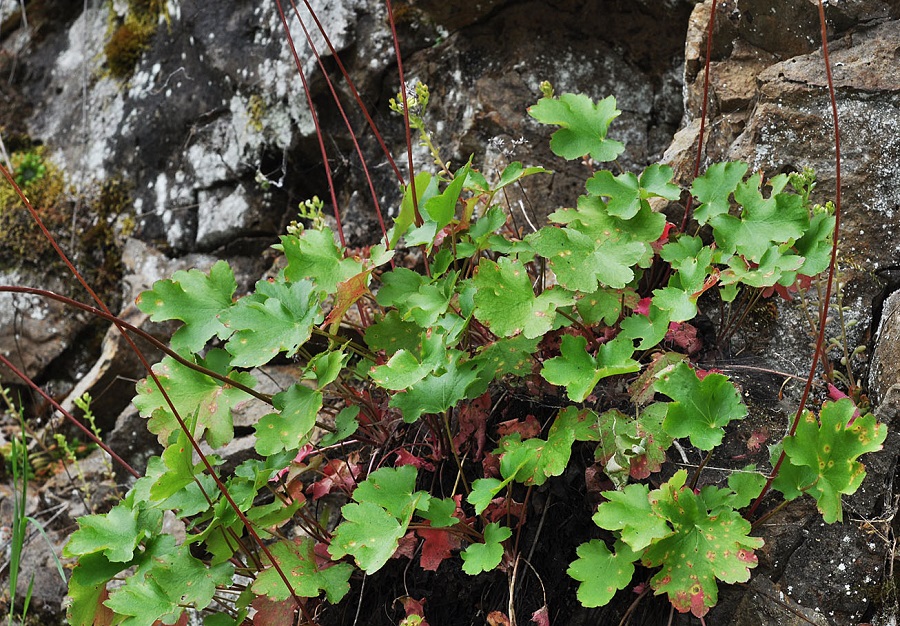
(575, 369)
(278, 317)
(87, 587)
(292, 426)
(393, 489)
(764, 221)
(141, 600)
(792, 480)
(583, 123)
(623, 192)
(600, 572)
(397, 285)
(505, 300)
(401, 371)
(187, 580)
(580, 262)
(650, 329)
(487, 224)
(325, 367)
(579, 372)
(439, 512)
(815, 244)
(483, 491)
(592, 217)
(426, 187)
(297, 560)
(713, 190)
(178, 460)
(391, 333)
(775, 266)
(705, 546)
(746, 484)
(483, 557)
(345, 424)
(626, 193)
(442, 207)
(656, 181)
(830, 450)
(314, 256)
(194, 298)
(195, 395)
(368, 533)
(702, 408)
(629, 511)
(534, 460)
(437, 392)
(510, 356)
(686, 284)
(573, 424)
(144, 603)
(115, 535)
(604, 305)
(515, 172)
(680, 248)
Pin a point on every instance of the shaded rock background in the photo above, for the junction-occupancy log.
(214, 140)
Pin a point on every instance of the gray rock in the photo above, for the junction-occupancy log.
(34, 330)
(883, 371)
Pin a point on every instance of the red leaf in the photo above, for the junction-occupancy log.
(295, 490)
(406, 547)
(460, 513)
(702, 373)
(643, 307)
(473, 423)
(339, 474)
(406, 458)
(663, 239)
(103, 615)
(541, 617)
(596, 482)
(414, 607)
(497, 618)
(348, 292)
(272, 613)
(528, 429)
(304, 452)
(438, 545)
(491, 465)
(684, 336)
(500, 507)
(836, 394)
(756, 439)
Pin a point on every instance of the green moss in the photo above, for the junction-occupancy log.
(131, 36)
(88, 226)
(256, 110)
(45, 188)
(124, 50)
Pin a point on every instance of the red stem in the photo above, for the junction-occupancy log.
(340, 107)
(315, 119)
(359, 100)
(87, 432)
(194, 444)
(820, 339)
(409, 155)
(156, 343)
